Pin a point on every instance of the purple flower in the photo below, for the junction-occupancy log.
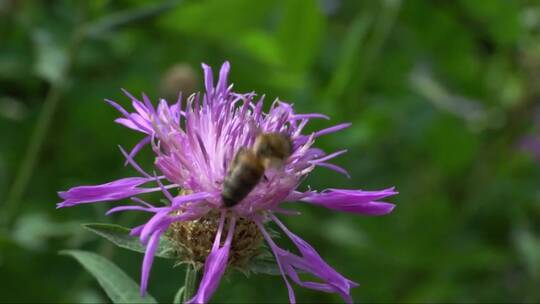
(530, 144)
(194, 144)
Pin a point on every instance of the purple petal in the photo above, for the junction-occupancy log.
(118, 107)
(310, 116)
(129, 124)
(335, 168)
(163, 218)
(194, 197)
(297, 195)
(140, 107)
(313, 153)
(215, 265)
(132, 162)
(129, 208)
(157, 222)
(277, 251)
(208, 79)
(329, 156)
(140, 201)
(136, 231)
(149, 108)
(286, 211)
(166, 192)
(129, 95)
(354, 201)
(115, 190)
(222, 81)
(143, 142)
(314, 264)
(332, 129)
(132, 121)
(149, 259)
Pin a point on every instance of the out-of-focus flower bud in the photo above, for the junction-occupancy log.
(180, 77)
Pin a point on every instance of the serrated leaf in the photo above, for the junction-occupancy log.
(120, 236)
(118, 285)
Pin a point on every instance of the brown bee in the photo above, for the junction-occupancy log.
(247, 168)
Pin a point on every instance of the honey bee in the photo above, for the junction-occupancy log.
(248, 166)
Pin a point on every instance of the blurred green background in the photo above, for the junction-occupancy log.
(442, 96)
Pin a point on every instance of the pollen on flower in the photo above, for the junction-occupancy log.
(195, 239)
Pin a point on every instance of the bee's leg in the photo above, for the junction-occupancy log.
(265, 178)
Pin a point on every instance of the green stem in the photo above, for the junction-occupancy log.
(190, 282)
(36, 141)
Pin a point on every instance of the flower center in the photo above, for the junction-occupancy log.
(195, 239)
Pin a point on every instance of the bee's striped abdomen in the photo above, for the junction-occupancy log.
(244, 174)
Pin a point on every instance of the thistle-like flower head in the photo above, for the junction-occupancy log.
(194, 143)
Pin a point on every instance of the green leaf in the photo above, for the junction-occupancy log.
(263, 263)
(120, 236)
(226, 23)
(262, 46)
(119, 286)
(264, 266)
(217, 20)
(178, 295)
(300, 33)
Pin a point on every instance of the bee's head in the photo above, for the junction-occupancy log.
(273, 148)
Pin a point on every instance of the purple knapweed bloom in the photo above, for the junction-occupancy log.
(194, 143)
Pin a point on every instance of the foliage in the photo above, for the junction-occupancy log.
(440, 94)
(119, 287)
